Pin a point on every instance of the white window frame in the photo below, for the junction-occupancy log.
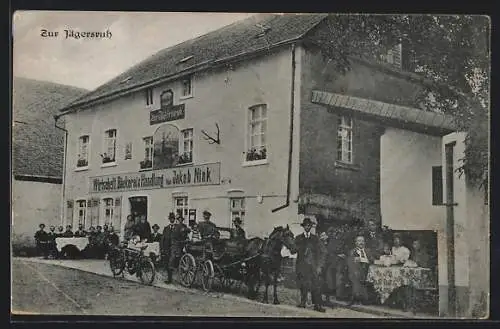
(184, 207)
(149, 97)
(239, 210)
(345, 136)
(182, 141)
(79, 168)
(249, 133)
(105, 147)
(106, 207)
(148, 148)
(183, 94)
(77, 208)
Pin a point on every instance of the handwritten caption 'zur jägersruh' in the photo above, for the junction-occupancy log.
(74, 34)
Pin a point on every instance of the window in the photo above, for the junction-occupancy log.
(83, 151)
(187, 86)
(181, 205)
(344, 139)
(237, 208)
(81, 208)
(257, 133)
(147, 163)
(149, 96)
(186, 147)
(108, 204)
(109, 146)
(437, 185)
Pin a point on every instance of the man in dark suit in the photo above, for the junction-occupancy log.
(41, 239)
(207, 228)
(143, 228)
(68, 233)
(52, 235)
(374, 239)
(166, 244)
(156, 236)
(81, 231)
(358, 261)
(179, 236)
(309, 265)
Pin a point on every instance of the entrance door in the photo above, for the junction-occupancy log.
(138, 206)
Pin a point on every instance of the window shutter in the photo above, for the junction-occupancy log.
(69, 212)
(117, 214)
(437, 185)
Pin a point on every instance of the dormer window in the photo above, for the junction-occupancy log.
(264, 30)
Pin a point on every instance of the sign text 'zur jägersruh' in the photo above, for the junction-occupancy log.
(206, 174)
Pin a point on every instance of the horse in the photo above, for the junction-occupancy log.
(267, 266)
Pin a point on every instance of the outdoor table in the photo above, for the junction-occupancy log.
(386, 279)
(79, 242)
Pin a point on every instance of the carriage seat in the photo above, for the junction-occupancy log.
(228, 248)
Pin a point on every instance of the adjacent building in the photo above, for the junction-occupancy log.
(37, 155)
(253, 120)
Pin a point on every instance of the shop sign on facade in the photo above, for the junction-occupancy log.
(205, 174)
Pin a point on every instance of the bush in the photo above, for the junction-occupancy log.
(23, 246)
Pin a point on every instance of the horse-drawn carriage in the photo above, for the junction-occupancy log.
(218, 261)
(226, 262)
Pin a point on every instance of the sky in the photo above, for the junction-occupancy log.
(88, 63)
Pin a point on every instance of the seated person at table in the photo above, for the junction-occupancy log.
(358, 261)
(156, 235)
(80, 233)
(113, 238)
(68, 233)
(60, 231)
(400, 253)
(419, 255)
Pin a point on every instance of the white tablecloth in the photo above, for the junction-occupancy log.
(80, 243)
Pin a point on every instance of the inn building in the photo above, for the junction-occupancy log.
(254, 120)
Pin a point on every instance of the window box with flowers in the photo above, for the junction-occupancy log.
(107, 159)
(146, 164)
(256, 157)
(82, 163)
(186, 158)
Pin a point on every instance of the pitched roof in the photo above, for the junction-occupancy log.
(259, 32)
(37, 146)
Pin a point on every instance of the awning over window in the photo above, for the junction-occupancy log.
(391, 113)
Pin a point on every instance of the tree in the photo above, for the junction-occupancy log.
(450, 53)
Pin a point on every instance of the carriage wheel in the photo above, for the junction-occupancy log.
(117, 263)
(207, 275)
(147, 271)
(187, 270)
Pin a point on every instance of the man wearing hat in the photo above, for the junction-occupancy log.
(41, 238)
(310, 260)
(179, 237)
(207, 228)
(155, 236)
(68, 233)
(166, 244)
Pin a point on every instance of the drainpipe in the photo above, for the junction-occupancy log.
(290, 146)
(56, 117)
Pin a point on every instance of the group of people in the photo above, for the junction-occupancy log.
(334, 263)
(100, 237)
(176, 234)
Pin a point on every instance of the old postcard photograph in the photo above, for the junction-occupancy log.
(250, 165)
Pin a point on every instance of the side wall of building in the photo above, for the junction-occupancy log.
(354, 187)
(33, 203)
